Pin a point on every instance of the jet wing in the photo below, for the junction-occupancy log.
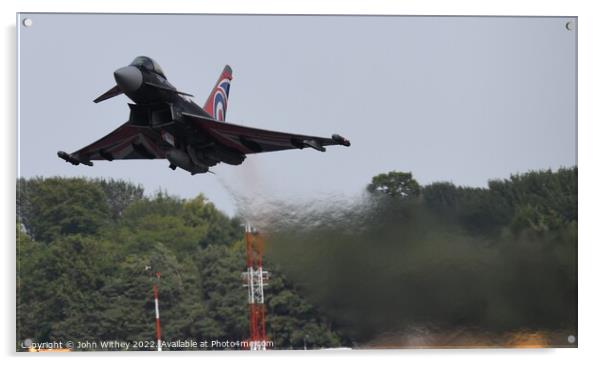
(125, 143)
(249, 140)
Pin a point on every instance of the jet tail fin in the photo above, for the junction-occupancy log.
(217, 102)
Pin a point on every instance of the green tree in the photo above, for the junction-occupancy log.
(49, 208)
(442, 196)
(199, 212)
(227, 309)
(120, 194)
(395, 184)
(293, 322)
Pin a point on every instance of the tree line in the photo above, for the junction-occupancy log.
(498, 257)
(87, 251)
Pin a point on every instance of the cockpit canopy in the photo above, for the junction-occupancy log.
(149, 64)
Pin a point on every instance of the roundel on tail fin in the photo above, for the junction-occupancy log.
(217, 102)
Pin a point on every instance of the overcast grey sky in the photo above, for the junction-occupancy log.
(460, 99)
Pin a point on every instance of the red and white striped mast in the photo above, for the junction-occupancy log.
(157, 319)
(254, 279)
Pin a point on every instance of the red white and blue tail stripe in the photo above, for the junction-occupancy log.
(217, 102)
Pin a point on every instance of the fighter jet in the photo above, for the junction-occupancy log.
(165, 123)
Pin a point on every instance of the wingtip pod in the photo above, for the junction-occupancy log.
(67, 157)
(341, 140)
(72, 159)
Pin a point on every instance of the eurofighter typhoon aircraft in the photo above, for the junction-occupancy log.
(165, 123)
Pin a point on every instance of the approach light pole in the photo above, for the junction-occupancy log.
(157, 318)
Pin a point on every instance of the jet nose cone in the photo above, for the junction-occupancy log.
(128, 78)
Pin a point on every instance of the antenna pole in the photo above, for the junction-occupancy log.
(255, 279)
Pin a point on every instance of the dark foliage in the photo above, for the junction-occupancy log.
(84, 247)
